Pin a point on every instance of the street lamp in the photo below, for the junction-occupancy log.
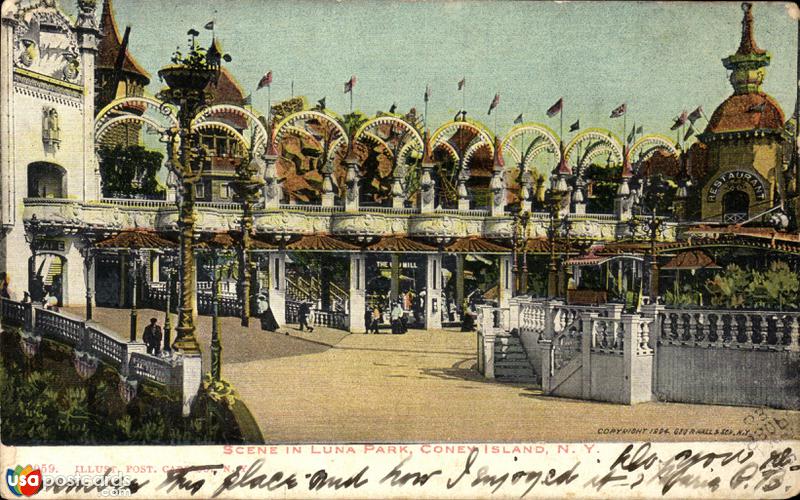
(247, 187)
(553, 202)
(653, 191)
(187, 78)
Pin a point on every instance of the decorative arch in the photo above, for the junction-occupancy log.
(254, 122)
(590, 140)
(154, 110)
(226, 128)
(543, 139)
(398, 144)
(648, 145)
(448, 131)
(302, 122)
(46, 180)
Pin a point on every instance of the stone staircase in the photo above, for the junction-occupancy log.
(511, 363)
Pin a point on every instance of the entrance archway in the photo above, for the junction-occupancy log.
(46, 180)
(48, 272)
(735, 207)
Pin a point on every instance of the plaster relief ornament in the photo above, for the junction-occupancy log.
(51, 130)
(45, 43)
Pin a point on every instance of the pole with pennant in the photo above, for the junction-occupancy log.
(462, 86)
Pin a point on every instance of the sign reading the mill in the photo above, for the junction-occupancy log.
(738, 176)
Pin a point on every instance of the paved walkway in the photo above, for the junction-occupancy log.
(421, 386)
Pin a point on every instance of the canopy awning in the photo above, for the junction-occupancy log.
(136, 240)
(692, 259)
(475, 245)
(321, 243)
(216, 241)
(399, 244)
(259, 245)
(598, 260)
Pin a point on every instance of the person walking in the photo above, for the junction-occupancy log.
(268, 321)
(152, 337)
(303, 313)
(397, 312)
(374, 325)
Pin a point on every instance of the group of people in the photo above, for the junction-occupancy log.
(399, 320)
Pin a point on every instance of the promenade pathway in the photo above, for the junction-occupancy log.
(422, 386)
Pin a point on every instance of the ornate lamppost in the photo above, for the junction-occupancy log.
(87, 252)
(521, 220)
(187, 78)
(32, 229)
(653, 193)
(168, 267)
(137, 259)
(553, 201)
(247, 187)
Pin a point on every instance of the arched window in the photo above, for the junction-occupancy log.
(735, 207)
(46, 180)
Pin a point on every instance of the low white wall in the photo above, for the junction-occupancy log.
(739, 377)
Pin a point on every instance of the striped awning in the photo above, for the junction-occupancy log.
(693, 259)
(321, 243)
(216, 241)
(475, 245)
(399, 244)
(136, 240)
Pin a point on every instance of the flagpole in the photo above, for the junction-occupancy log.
(292, 89)
(464, 94)
(351, 99)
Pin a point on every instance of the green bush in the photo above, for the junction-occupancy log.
(775, 288)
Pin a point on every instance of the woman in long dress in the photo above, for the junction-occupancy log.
(265, 313)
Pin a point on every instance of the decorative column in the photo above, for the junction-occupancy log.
(216, 344)
(460, 282)
(358, 292)
(123, 278)
(352, 179)
(88, 34)
(427, 186)
(273, 193)
(433, 292)
(526, 192)
(578, 200)
(463, 196)
(328, 194)
(398, 194)
(394, 291)
(88, 269)
(277, 285)
(135, 260)
(506, 281)
(7, 136)
(497, 185)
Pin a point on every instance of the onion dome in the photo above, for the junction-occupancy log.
(110, 46)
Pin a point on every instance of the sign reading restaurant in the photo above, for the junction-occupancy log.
(740, 176)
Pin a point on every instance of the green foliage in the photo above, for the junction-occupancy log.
(775, 288)
(727, 288)
(43, 401)
(681, 298)
(130, 171)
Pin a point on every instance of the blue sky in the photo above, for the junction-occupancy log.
(660, 58)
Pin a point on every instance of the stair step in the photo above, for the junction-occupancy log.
(519, 380)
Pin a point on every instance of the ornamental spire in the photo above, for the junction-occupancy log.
(748, 44)
(747, 63)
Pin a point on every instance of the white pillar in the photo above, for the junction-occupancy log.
(87, 40)
(277, 286)
(7, 200)
(358, 292)
(73, 276)
(433, 292)
(506, 281)
(394, 292)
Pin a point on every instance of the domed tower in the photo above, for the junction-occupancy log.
(745, 138)
(117, 75)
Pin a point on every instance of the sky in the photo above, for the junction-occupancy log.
(659, 58)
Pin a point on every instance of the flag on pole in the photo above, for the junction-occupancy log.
(349, 84)
(248, 101)
(619, 110)
(265, 81)
(209, 25)
(321, 103)
(631, 135)
(393, 107)
(518, 119)
(696, 114)
(427, 95)
(689, 133)
(461, 83)
(556, 108)
(575, 126)
(494, 103)
(679, 121)
(639, 130)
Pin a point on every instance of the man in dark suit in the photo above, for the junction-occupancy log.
(152, 337)
(303, 313)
